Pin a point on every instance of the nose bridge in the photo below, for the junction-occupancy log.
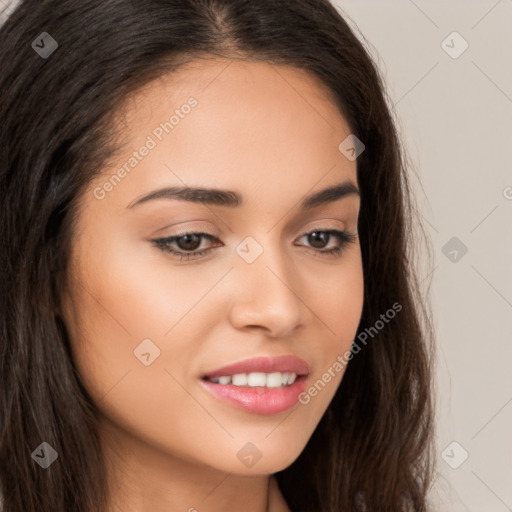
(264, 261)
(266, 285)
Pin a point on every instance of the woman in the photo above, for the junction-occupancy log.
(208, 297)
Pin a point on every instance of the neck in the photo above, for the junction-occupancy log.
(142, 478)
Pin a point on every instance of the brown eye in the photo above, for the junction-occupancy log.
(187, 245)
(318, 239)
(189, 242)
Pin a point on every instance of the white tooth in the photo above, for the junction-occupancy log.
(239, 379)
(274, 380)
(256, 379)
(291, 378)
(284, 379)
(225, 379)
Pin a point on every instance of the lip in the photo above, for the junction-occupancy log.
(290, 364)
(260, 399)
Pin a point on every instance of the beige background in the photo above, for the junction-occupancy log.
(456, 118)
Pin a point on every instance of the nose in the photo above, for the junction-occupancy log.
(268, 295)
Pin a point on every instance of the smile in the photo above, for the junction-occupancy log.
(262, 385)
(255, 379)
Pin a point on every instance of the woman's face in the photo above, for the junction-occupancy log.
(146, 326)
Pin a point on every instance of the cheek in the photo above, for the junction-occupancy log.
(138, 294)
(119, 300)
(340, 301)
(338, 308)
(118, 304)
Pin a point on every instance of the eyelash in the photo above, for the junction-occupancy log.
(344, 237)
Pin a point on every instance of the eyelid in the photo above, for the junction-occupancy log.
(344, 237)
(207, 234)
(198, 229)
(205, 227)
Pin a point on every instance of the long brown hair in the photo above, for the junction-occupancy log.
(372, 450)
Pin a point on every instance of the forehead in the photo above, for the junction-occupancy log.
(253, 126)
(224, 82)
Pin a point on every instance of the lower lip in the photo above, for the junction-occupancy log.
(259, 399)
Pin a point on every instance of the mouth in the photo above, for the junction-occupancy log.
(260, 385)
(256, 379)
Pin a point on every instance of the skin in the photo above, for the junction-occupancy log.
(271, 134)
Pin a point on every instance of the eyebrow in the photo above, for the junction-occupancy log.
(229, 198)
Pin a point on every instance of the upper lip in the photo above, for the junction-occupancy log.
(282, 364)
